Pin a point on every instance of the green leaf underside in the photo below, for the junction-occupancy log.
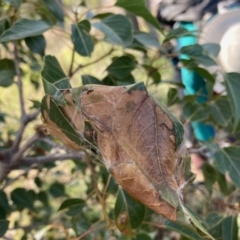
(25, 28)
(227, 160)
(56, 8)
(230, 228)
(7, 72)
(177, 33)
(194, 112)
(138, 7)
(212, 48)
(146, 39)
(60, 120)
(82, 40)
(3, 227)
(117, 29)
(134, 209)
(74, 206)
(121, 67)
(220, 111)
(232, 81)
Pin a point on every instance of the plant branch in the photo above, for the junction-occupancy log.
(91, 63)
(51, 158)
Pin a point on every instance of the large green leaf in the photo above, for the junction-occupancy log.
(138, 7)
(212, 48)
(117, 29)
(184, 230)
(22, 198)
(25, 28)
(232, 81)
(82, 40)
(220, 111)
(146, 39)
(121, 67)
(227, 160)
(230, 228)
(36, 44)
(134, 210)
(3, 227)
(7, 72)
(197, 53)
(54, 79)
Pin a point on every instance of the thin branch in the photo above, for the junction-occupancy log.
(91, 63)
(51, 159)
(19, 80)
(90, 231)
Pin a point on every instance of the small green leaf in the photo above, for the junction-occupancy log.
(222, 182)
(21, 198)
(88, 79)
(36, 44)
(196, 52)
(227, 160)
(4, 200)
(7, 72)
(3, 213)
(232, 81)
(143, 236)
(146, 39)
(177, 33)
(230, 228)
(117, 29)
(3, 227)
(210, 176)
(14, 3)
(56, 8)
(121, 67)
(71, 202)
(4, 25)
(74, 206)
(134, 209)
(138, 7)
(153, 73)
(184, 230)
(172, 96)
(195, 112)
(57, 190)
(204, 73)
(137, 86)
(25, 28)
(220, 111)
(212, 48)
(82, 40)
(213, 223)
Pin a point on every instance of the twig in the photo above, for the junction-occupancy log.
(91, 63)
(50, 159)
(91, 230)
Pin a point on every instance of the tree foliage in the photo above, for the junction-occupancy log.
(109, 169)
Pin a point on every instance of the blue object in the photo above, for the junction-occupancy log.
(195, 84)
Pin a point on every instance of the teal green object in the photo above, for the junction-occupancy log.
(195, 84)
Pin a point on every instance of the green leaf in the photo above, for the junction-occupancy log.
(138, 8)
(121, 67)
(21, 198)
(146, 39)
(212, 48)
(25, 28)
(220, 111)
(4, 25)
(82, 40)
(143, 236)
(3, 213)
(153, 73)
(184, 230)
(222, 182)
(134, 209)
(204, 73)
(74, 206)
(56, 115)
(3, 227)
(229, 228)
(227, 160)
(213, 224)
(232, 81)
(195, 112)
(36, 44)
(172, 96)
(14, 3)
(7, 72)
(57, 190)
(56, 8)
(177, 33)
(197, 53)
(88, 79)
(54, 79)
(210, 176)
(117, 29)
(4, 200)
